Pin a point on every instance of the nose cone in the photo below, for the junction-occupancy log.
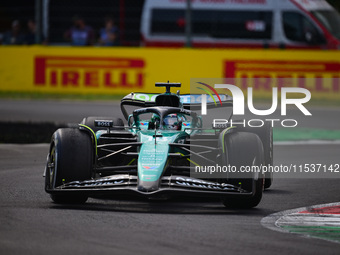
(151, 164)
(152, 160)
(148, 186)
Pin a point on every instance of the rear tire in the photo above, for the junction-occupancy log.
(244, 149)
(70, 159)
(89, 121)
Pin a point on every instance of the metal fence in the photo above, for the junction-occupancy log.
(54, 17)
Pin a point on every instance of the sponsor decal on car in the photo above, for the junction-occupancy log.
(150, 167)
(197, 183)
(106, 181)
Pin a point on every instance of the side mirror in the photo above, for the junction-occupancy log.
(130, 120)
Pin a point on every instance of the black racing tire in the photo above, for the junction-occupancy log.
(244, 149)
(70, 158)
(266, 135)
(118, 123)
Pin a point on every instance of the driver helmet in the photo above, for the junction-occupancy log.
(172, 122)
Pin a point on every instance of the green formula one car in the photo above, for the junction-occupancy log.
(156, 155)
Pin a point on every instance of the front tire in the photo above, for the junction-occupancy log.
(265, 133)
(70, 159)
(244, 149)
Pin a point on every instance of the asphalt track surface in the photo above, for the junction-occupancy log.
(31, 224)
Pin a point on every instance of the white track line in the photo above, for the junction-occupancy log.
(308, 142)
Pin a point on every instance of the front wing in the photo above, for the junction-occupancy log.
(170, 186)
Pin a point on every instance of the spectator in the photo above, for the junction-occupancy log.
(14, 36)
(108, 34)
(80, 34)
(30, 35)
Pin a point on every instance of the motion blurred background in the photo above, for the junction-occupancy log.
(60, 14)
(48, 80)
(126, 14)
(121, 50)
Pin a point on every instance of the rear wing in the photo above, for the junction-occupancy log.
(187, 101)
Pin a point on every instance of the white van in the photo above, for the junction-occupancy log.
(242, 23)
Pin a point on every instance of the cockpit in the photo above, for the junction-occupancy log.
(164, 118)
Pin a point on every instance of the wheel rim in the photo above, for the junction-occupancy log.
(51, 166)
